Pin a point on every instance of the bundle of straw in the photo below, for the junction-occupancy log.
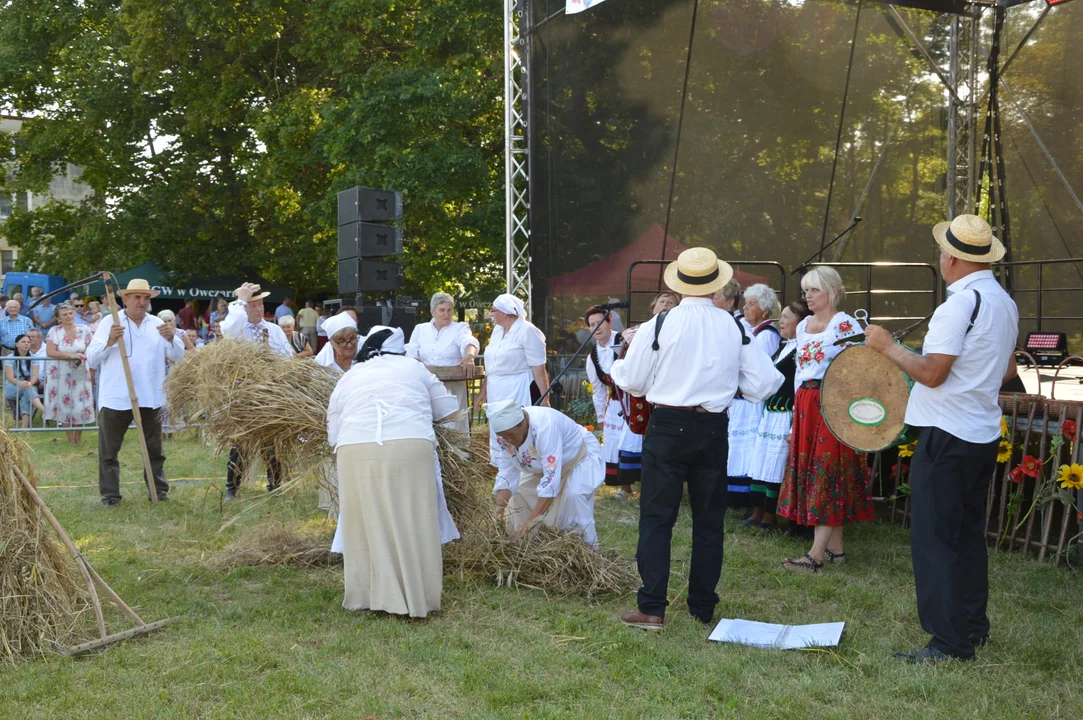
(255, 400)
(41, 599)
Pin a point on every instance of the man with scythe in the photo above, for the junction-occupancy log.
(148, 342)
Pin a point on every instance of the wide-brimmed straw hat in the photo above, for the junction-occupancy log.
(697, 271)
(969, 237)
(138, 285)
(257, 295)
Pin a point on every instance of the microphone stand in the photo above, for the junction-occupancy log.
(555, 384)
(801, 269)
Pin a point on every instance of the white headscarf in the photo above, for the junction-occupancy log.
(510, 304)
(503, 415)
(395, 343)
(339, 322)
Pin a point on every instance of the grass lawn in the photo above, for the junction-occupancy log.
(269, 642)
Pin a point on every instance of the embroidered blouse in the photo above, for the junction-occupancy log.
(815, 351)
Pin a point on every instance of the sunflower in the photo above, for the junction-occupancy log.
(589, 387)
(1071, 476)
(1004, 431)
(907, 450)
(1004, 454)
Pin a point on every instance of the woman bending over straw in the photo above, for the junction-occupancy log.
(380, 422)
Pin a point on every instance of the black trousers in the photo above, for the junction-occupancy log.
(112, 425)
(949, 479)
(681, 448)
(236, 467)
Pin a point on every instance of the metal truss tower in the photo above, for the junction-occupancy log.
(516, 155)
(964, 56)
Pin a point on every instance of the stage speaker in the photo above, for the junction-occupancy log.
(362, 239)
(368, 205)
(368, 276)
(389, 313)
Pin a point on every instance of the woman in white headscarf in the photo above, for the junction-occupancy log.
(380, 423)
(343, 339)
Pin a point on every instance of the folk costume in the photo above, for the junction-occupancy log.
(560, 459)
(691, 378)
(826, 482)
(744, 423)
(607, 403)
(380, 423)
(772, 446)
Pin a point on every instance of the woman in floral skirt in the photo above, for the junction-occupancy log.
(69, 396)
(826, 484)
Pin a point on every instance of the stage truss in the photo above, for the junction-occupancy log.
(516, 154)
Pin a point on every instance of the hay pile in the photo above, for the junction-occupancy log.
(41, 599)
(253, 399)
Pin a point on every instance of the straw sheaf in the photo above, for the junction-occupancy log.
(42, 603)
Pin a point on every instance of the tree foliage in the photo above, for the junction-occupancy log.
(215, 136)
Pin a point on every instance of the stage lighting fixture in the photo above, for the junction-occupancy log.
(1048, 348)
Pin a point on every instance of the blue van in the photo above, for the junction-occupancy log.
(21, 282)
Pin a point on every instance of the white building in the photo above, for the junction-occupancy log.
(62, 187)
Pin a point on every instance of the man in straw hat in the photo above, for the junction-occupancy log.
(244, 320)
(967, 355)
(548, 467)
(689, 369)
(149, 342)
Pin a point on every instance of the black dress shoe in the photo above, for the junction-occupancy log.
(926, 655)
(708, 620)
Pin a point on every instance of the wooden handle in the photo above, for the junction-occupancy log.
(148, 473)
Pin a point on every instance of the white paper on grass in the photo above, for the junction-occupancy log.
(782, 637)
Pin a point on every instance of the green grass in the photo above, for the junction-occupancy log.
(269, 643)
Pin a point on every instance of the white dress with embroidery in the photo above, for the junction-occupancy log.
(608, 409)
(744, 416)
(554, 440)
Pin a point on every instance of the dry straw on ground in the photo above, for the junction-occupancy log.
(42, 603)
(256, 400)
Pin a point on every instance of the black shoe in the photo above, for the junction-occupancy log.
(926, 655)
(708, 620)
(231, 493)
(111, 502)
(980, 642)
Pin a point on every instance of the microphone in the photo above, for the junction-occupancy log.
(614, 305)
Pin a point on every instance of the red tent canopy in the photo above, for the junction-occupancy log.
(609, 275)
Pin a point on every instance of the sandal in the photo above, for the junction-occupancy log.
(803, 564)
(835, 558)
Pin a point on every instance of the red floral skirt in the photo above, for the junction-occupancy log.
(825, 482)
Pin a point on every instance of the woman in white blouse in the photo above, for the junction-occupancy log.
(826, 484)
(514, 357)
(380, 423)
(444, 343)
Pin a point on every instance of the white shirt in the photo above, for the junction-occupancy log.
(606, 357)
(522, 348)
(443, 347)
(965, 405)
(389, 397)
(815, 351)
(552, 440)
(147, 353)
(236, 325)
(766, 340)
(700, 361)
(40, 353)
(319, 326)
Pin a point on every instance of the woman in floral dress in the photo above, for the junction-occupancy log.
(826, 485)
(69, 396)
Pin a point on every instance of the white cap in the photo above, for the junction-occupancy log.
(395, 342)
(503, 415)
(339, 322)
(510, 305)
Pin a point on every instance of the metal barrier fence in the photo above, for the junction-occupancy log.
(875, 297)
(1008, 270)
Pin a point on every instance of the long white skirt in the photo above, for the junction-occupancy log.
(613, 431)
(744, 423)
(772, 448)
(390, 530)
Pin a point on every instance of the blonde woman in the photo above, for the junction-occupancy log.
(69, 394)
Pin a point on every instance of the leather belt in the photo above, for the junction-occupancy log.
(810, 385)
(698, 409)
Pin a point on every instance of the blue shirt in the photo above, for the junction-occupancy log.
(44, 313)
(282, 311)
(11, 329)
(80, 320)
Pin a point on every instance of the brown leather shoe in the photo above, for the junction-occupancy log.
(652, 623)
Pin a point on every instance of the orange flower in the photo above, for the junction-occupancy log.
(1031, 466)
(590, 428)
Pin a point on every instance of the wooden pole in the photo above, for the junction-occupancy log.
(89, 573)
(117, 637)
(148, 473)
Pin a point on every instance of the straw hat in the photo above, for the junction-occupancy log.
(968, 237)
(257, 295)
(697, 271)
(138, 285)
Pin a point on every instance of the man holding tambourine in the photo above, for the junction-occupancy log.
(967, 353)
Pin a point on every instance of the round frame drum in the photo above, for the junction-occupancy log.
(863, 396)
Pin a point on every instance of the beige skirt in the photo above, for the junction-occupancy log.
(390, 529)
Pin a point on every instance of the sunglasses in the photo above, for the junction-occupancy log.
(79, 306)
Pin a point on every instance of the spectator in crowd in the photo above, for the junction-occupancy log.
(78, 305)
(321, 334)
(192, 341)
(35, 293)
(24, 307)
(12, 325)
(38, 350)
(188, 317)
(307, 319)
(215, 332)
(284, 309)
(297, 341)
(94, 314)
(20, 377)
(44, 315)
(69, 396)
(148, 343)
(219, 313)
